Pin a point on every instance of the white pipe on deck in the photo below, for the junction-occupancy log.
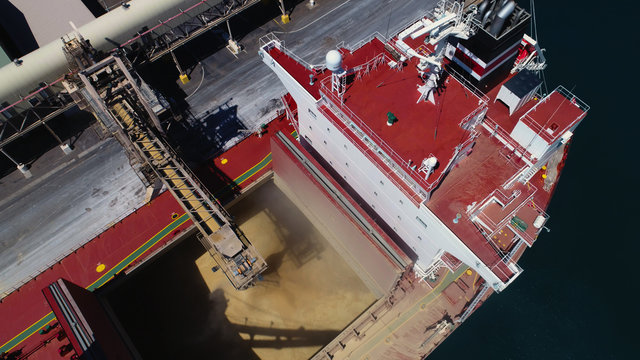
(118, 25)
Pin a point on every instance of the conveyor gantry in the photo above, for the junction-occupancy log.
(114, 94)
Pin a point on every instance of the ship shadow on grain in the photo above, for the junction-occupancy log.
(299, 238)
(169, 313)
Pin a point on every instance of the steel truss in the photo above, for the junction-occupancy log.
(34, 110)
(114, 88)
(181, 28)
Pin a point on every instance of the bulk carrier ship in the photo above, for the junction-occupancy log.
(431, 154)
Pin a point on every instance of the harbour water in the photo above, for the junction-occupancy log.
(577, 296)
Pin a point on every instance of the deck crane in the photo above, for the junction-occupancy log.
(452, 20)
(128, 109)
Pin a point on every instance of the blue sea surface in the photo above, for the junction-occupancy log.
(578, 295)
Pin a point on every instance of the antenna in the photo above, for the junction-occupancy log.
(333, 60)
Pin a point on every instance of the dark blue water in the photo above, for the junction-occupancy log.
(578, 296)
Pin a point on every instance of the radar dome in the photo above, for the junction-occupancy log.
(431, 162)
(334, 60)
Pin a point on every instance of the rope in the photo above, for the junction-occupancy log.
(534, 31)
(198, 87)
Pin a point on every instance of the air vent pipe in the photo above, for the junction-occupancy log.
(501, 17)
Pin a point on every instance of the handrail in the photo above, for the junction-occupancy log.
(412, 178)
(272, 38)
(379, 146)
(506, 138)
(376, 163)
(467, 84)
(571, 97)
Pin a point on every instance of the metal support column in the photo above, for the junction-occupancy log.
(233, 45)
(183, 77)
(24, 169)
(66, 148)
(284, 17)
(229, 29)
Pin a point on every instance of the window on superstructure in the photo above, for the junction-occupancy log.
(308, 140)
(421, 222)
(312, 114)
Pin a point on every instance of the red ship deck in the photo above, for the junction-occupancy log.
(549, 117)
(422, 130)
(126, 244)
(25, 311)
(475, 178)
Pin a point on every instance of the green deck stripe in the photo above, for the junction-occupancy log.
(240, 179)
(28, 332)
(146, 246)
(101, 281)
(127, 261)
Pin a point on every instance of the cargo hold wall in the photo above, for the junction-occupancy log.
(351, 236)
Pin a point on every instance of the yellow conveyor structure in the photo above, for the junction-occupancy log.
(237, 258)
(118, 97)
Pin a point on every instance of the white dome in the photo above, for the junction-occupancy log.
(334, 60)
(431, 162)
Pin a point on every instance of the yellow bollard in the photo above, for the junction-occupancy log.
(184, 78)
(285, 19)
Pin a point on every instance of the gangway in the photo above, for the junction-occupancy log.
(109, 85)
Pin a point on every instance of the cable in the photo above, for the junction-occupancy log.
(201, 80)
